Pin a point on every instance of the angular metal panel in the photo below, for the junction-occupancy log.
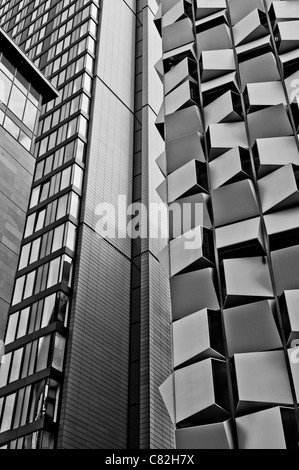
(240, 238)
(192, 292)
(184, 149)
(190, 251)
(223, 137)
(217, 63)
(187, 180)
(182, 123)
(167, 392)
(177, 12)
(282, 224)
(279, 190)
(250, 28)
(206, 8)
(178, 74)
(269, 122)
(262, 68)
(265, 94)
(177, 34)
(288, 35)
(241, 8)
(195, 394)
(261, 379)
(246, 280)
(284, 10)
(192, 339)
(230, 167)
(273, 153)
(241, 200)
(209, 436)
(251, 328)
(214, 38)
(286, 268)
(188, 212)
(262, 430)
(181, 97)
(226, 108)
(289, 306)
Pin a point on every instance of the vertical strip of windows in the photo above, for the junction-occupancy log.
(60, 36)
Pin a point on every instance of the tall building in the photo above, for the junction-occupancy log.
(88, 338)
(118, 341)
(230, 71)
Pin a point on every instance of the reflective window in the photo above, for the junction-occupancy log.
(17, 102)
(30, 115)
(5, 87)
(7, 413)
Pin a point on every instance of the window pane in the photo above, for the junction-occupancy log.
(32, 318)
(43, 353)
(18, 290)
(58, 238)
(66, 270)
(74, 209)
(71, 237)
(63, 307)
(32, 358)
(5, 86)
(17, 102)
(21, 83)
(18, 408)
(40, 220)
(62, 203)
(39, 170)
(34, 196)
(53, 272)
(24, 256)
(11, 127)
(25, 406)
(24, 315)
(48, 312)
(44, 191)
(58, 355)
(30, 115)
(4, 369)
(11, 328)
(65, 178)
(7, 414)
(25, 140)
(35, 250)
(29, 285)
(16, 365)
(26, 360)
(29, 225)
(78, 177)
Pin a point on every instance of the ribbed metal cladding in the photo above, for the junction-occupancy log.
(149, 426)
(229, 119)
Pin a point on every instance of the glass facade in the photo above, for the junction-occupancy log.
(19, 103)
(61, 38)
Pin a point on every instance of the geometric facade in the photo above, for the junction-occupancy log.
(235, 65)
(87, 338)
